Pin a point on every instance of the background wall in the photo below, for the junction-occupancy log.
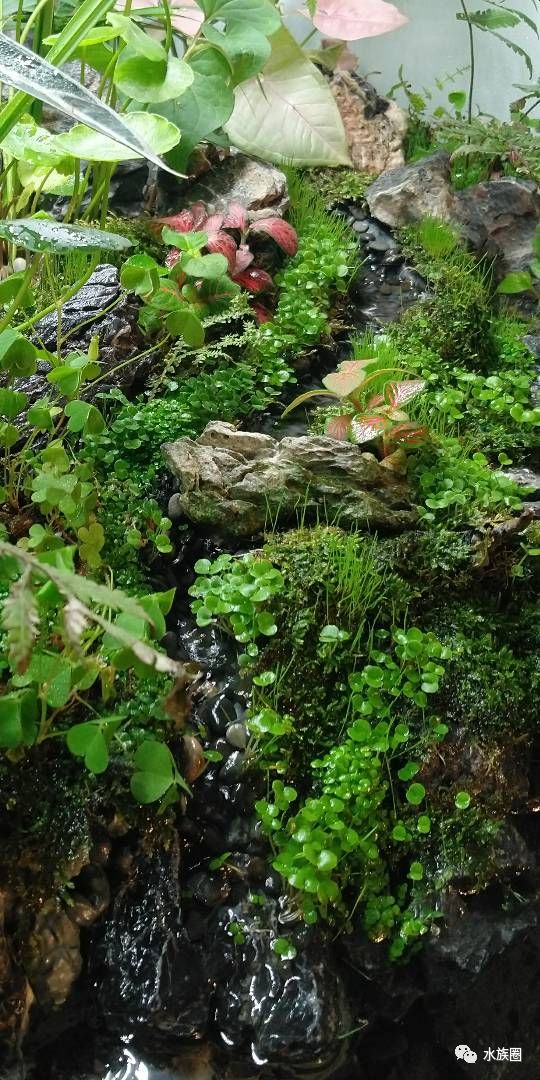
(434, 44)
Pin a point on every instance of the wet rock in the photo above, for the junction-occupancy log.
(116, 329)
(375, 126)
(499, 219)
(206, 646)
(238, 491)
(232, 770)
(379, 239)
(481, 974)
(286, 1011)
(52, 957)
(237, 736)
(208, 889)
(147, 970)
(245, 834)
(239, 179)
(405, 195)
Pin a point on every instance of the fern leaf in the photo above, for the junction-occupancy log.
(20, 619)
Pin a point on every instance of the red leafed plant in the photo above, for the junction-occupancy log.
(378, 417)
(228, 234)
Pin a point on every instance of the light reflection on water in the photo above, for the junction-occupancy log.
(129, 1065)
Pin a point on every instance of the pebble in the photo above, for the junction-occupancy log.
(19, 265)
(231, 771)
(360, 226)
(237, 736)
(208, 889)
(194, 761)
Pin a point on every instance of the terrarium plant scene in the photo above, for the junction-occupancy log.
(269, 540)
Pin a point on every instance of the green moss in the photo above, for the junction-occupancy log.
(455, 320)
(339, 185)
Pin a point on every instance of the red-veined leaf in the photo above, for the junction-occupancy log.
(280, 231)
(409, 434)
(235, 217)
(172, 257)
(182, 222)
(254, 280)
(220, 243)
(262, 314)
(351, 20)
(244, 258)
(368, 428)
(397, 393)
(339, 427)
(213, 223)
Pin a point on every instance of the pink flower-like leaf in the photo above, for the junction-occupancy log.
(186, 15)
(220, 243)
(351, 20)
(213, 223)
(397, 393)
(280, 231)
(409, 434)
(339, 427)
(254, 280)
(172, 258)
(370, 427)
(244, 258)
(235, 217)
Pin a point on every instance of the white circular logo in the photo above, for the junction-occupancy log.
(464, 1053)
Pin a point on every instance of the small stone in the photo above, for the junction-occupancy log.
(19, 265)
(237, 736)
(231, 771)
(208, 889)
(360, 226)
(194, 761)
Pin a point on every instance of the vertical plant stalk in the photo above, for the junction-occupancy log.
(472, 59)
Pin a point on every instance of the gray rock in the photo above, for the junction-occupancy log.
(237, 736)
(407, 194)
(240, 491)
(239, 179)
(499, 219)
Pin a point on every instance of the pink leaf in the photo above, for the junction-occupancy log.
(409, 434)
(182, 222)
(235, 217)
(213, 223)
(397, 393)
(261, 313)
(350, 20)
(172, 257)
(223, 244)
(280, 231)
(254, 280)
(339, 427)
(244, 258)
(367, 429)
(347, 378)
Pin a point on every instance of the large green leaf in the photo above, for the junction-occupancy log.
(40, 234)
(288, 114)
(36, 77)
(247, 49)
(155, 131)
(206, 105)
(151, 82)
(260, 14)
(28, 142)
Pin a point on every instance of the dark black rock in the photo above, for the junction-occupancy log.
(206, 646)
(286, 1012)
(208, 889)
(233, 768)
(148, 972)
